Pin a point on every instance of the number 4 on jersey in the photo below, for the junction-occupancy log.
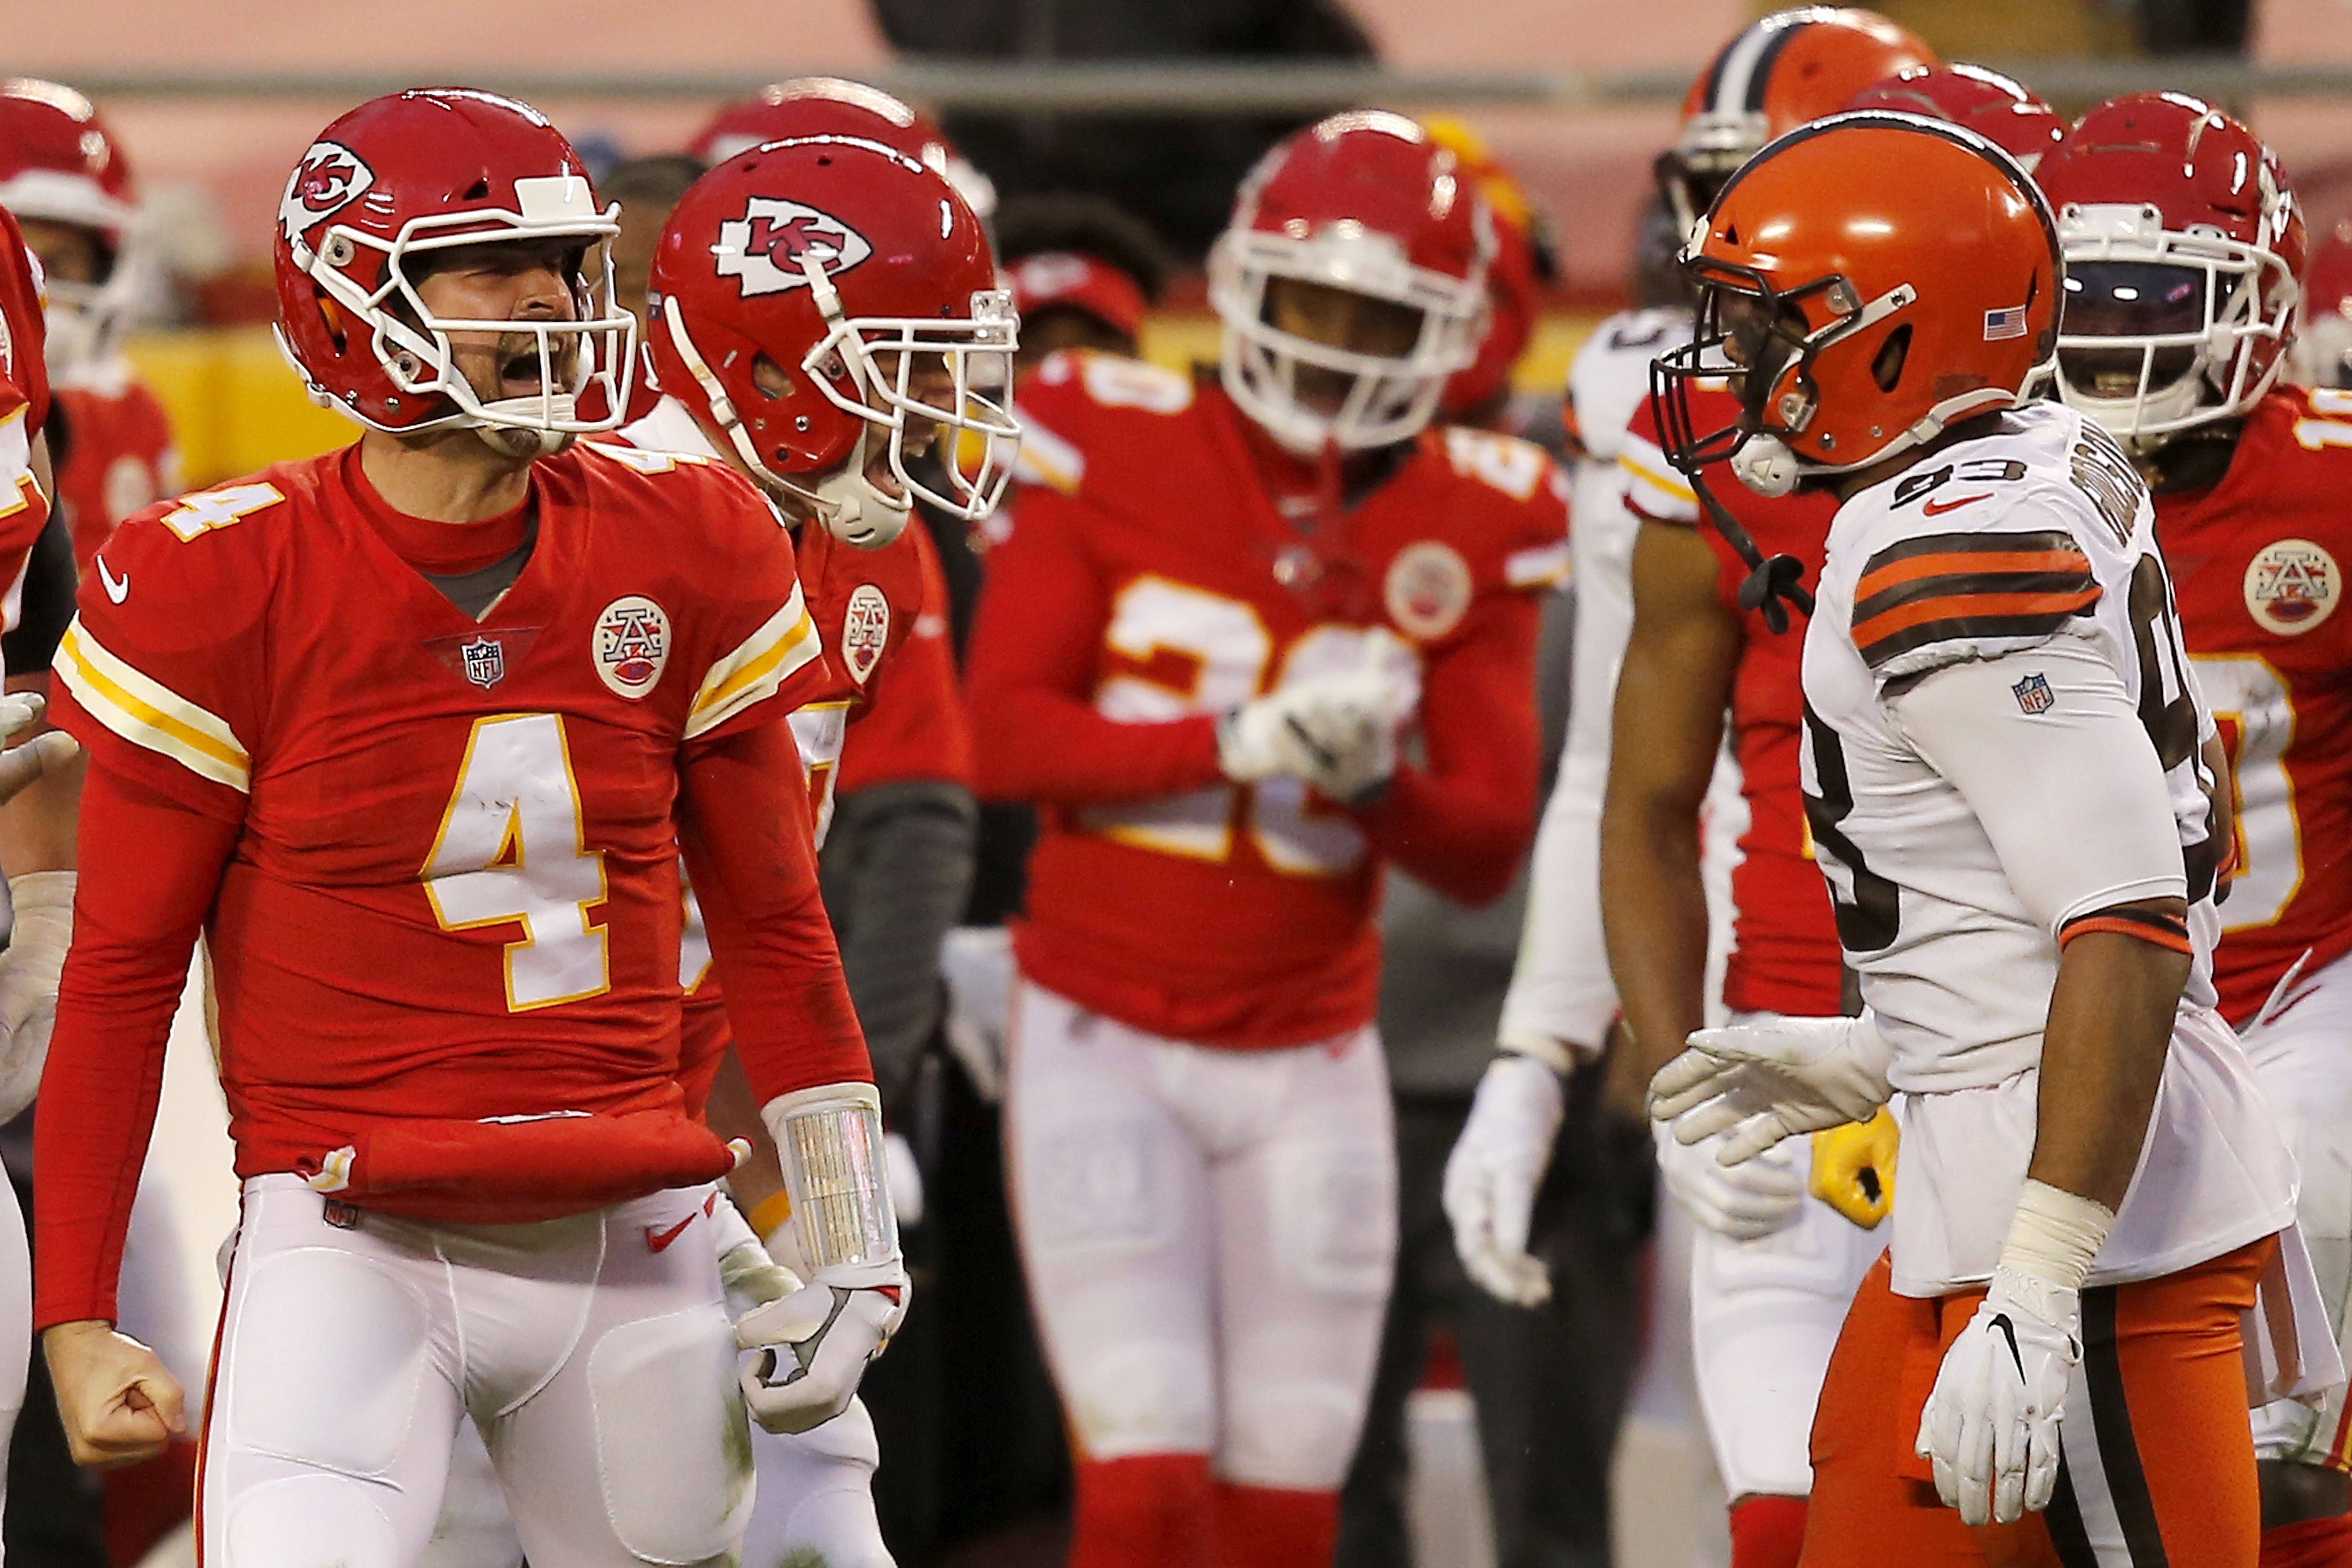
(512, 848)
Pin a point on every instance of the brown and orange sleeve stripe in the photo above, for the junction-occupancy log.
(2157, 926)
(1943, 587)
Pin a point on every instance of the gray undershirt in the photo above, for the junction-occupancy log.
(476, 592)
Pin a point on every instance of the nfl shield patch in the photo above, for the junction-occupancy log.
(2033, 694)
(484, 661)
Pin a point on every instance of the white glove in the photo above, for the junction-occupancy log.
(977, 963)
(1760, 1083)
(1335, 729)
(814, 1345)
(1746, 1201)
(1493, 1174)
(29, 969)
(745, 1269)
(905, 1177)
(1990, 1427)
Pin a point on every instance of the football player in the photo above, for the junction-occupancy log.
(2008, 775)
(413, 732)
(1659, 597)
(2183, 243)
(1225, 602)
(66, 180)
(2323, 343)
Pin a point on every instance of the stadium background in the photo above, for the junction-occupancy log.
(213, 101)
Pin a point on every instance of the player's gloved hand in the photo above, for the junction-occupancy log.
(29, 969)
(745, 1269)
(977, 963)
(813, 1344)
(1493, 1174)
(1758, 1083)
(1991, 1428)
(20, 765)
(904, 1174)
(1335, 729)
(1854, 1169)
(1746, 1201)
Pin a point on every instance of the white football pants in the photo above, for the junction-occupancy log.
(16, 1321)
(1209, 1236)
(594, 1353)
(2301, 1045)
(1765, 1315)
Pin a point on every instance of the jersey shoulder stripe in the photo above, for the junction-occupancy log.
(758, 668)
(1958, 586)
(146, 712)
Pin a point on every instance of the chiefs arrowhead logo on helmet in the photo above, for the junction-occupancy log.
(329, 177)
(762, 250)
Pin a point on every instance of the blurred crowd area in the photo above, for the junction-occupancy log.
(977, 1475)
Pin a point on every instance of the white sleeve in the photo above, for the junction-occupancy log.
(2047, 748)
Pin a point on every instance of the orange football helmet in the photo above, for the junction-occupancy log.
(1864, 282)
(1792, 68)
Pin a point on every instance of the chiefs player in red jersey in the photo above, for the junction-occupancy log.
(1217, 613)
(66, 180)
(413, 732)
(2183, 244)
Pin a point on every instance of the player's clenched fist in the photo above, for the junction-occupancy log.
(815, 1343)
(117, 1403)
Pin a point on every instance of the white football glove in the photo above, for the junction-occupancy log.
(1760, 1083)
(905, 1175)
(1335, 729)
(29, 969)
(1493, 1174)
(1746, 1201)
(977, 963)
(1991, 1428)
(745, 1269)
(815, 1342)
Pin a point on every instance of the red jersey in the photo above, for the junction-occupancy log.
(24, 407)
(115, 453)
(914, 725)
(454, 894)
(2258, 564)
(1785, 956)
(1152, 581)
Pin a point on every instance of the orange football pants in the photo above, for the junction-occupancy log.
(2158, 1461)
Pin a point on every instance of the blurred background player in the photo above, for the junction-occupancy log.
(1224, 605)
(1083, 271)
(2322, 342)
(645, 190)
(1674, 650)
(797, 107)
(1546, 1386)
(64, 177)
(2175, 337)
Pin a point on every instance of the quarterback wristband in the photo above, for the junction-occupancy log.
(2055, 1234)
(830, 1140)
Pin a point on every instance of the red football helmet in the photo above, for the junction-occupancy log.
(58, 163)
(414, 173)
(2183, 247)
(835, 106)
(1525, 263)
(1988, 103)
(837, 265)
(1776, 74)
(1365, 202)
(2324, 341)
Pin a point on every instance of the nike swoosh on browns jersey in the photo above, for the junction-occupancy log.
(1937, 509)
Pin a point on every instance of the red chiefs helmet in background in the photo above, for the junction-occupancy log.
(387, 185)
(1368, 203)
(813, 294)
(1791, 68)
(2183, 247)
(1525, 263)
(2322, 342)
(835, 106)
(58, 163)
(1993, 106)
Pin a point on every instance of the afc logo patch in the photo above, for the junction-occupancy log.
(631, 645)
(1427, 591)
(865, 631)
(329, 176)
(483, 661)
(762, 250)
(2292, 586)
(2033, 694)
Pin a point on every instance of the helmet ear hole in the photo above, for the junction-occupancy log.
(1886, 365)
(332, 314)
(773, 380)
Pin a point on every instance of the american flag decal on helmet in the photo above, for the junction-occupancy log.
(2004, 324)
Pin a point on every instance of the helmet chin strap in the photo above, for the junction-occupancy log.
(853, 507)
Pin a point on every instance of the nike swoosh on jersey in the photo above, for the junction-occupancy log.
(117, 589)
(1937, 509)
(659, 1240)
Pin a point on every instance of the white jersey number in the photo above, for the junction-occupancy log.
(2253, 704)
(511, 849)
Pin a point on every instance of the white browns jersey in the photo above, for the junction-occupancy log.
(2027, 557)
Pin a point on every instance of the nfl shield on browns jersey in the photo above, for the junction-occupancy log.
(1150, 578)
(457, 891)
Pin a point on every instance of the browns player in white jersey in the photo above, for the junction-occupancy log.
(2011, 779)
